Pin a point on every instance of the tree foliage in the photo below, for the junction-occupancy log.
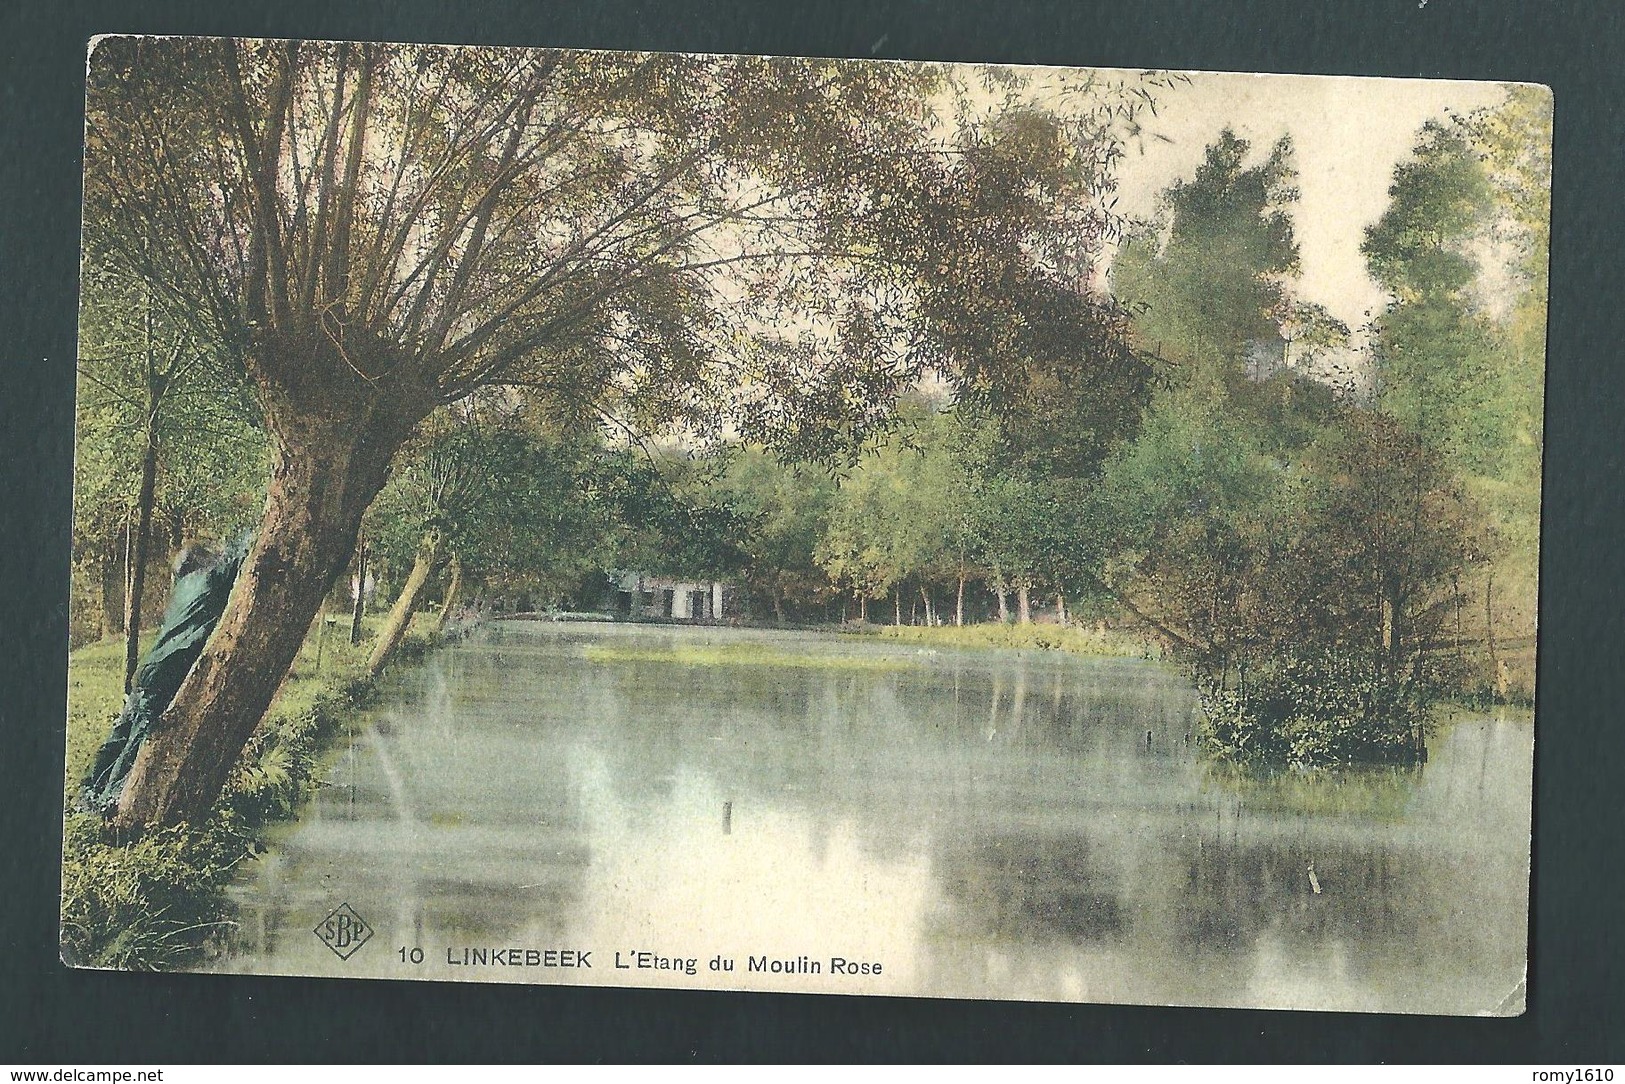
(1300, 550)
(686, 243)
(154, 398)
(1436, 364)
(1460, 349)
(1210, 275)
(785, 510)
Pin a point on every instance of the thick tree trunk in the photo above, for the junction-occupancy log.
(1024, 605)
(335, 434)
(427, 562)
(453, 589)
(138, 561)
(1004, 604)
(1060, 607)
(359, 609)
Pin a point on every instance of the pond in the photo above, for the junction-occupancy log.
(813, 811)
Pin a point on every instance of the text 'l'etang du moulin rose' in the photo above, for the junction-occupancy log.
(767, 965)
(639, 960)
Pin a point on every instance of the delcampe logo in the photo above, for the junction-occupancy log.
(344, 931)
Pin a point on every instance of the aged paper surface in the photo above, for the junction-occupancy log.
(806, 525)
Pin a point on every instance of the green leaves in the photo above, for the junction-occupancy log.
(1439, 200)
(1208, 278)
(1462, 248)
(701, 244)
(784, 512)
(146, 379)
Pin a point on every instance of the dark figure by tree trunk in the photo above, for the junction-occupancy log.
(203, 584)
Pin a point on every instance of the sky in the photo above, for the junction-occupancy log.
(1349, 134)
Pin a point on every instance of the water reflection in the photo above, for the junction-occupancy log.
(1014, 887)
(985, 824)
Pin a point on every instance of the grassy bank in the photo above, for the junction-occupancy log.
(746, 654)
(1072, 639)
(160, 901)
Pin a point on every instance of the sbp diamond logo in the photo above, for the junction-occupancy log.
(344, 931)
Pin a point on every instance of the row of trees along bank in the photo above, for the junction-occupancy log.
(1331, 544)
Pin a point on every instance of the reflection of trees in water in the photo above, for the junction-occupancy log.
(1162, 905)
(492, 818)
(1380, 792)
(1012, 772)
(839, 732)
(544, 908)
(1018, 887)
(898, 754)
(1235, 892)
(888, 748)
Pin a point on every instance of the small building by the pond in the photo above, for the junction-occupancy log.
(644, 594)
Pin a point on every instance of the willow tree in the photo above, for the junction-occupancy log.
(430, 502)
(682, 242)
(487, 493)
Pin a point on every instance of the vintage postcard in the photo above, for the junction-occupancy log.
(748, 523)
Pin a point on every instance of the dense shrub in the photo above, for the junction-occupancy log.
(1304, 578)
(279, 763)
(1319, 710)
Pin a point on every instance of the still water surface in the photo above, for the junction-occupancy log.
(979, 823)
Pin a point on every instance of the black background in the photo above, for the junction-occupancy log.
(51, 1014)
